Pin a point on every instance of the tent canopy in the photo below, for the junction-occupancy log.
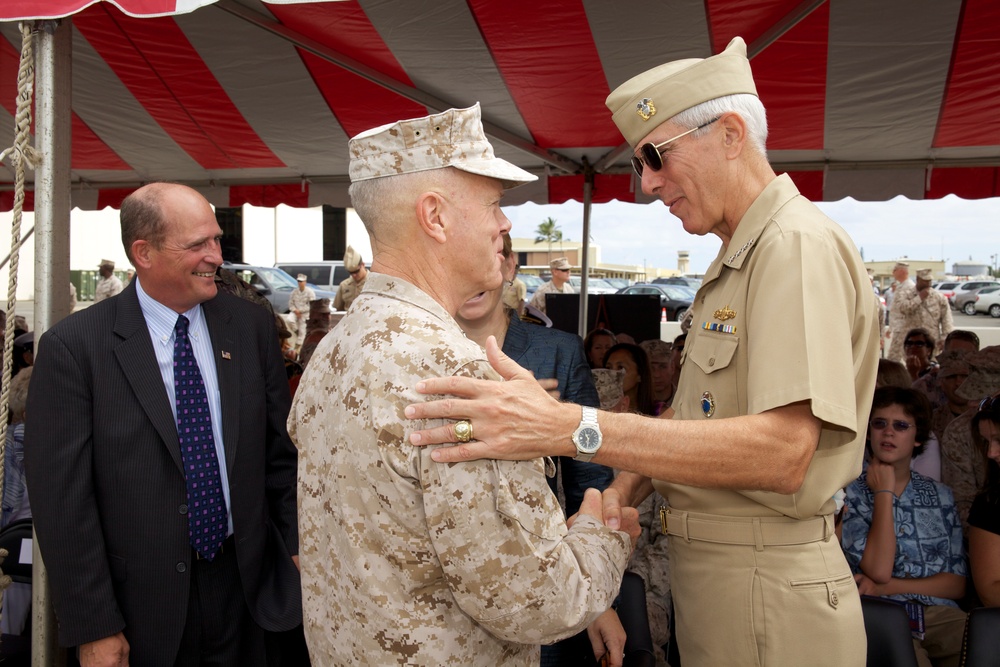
(254, 103)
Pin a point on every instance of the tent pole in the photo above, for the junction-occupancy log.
(588, 193)
(53, 62)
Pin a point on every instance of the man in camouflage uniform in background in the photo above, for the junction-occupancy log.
(108, 285)
(558, 284)
(351, 287)
(963, 467)
(926, 308)
(899, 323)
(298, 304)
(405, 560)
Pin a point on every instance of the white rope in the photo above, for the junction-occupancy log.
(20, 154)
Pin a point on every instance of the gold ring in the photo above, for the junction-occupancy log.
(463, 430)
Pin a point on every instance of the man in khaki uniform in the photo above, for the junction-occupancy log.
(108, 284)
(514, 293)
(770, 415)
(298, 304)
(350, 288)
(403, 560)
(559, 284)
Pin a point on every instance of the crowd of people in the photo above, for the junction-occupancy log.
(436, 480)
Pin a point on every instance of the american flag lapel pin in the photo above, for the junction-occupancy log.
(226, 355)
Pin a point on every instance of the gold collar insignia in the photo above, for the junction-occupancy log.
(645, 108)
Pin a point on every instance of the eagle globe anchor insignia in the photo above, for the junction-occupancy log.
(645, 108)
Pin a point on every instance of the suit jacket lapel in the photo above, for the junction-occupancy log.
(227, 360)
(137, 359)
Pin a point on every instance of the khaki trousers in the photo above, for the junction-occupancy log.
(767, 603)
(941, 646)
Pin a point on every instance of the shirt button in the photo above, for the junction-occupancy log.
(183, 509)
(181, 567)
(711, 362)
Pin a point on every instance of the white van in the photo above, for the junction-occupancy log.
(324, 275)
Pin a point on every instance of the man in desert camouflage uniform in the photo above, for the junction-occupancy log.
(108, 284)
(351, 287)
(298, 305)
(902, 317)
(923, 307)
(406, 561)
(962, 465)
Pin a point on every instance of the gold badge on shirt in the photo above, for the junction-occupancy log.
(724, 314)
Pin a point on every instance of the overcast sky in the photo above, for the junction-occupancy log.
(952, 229)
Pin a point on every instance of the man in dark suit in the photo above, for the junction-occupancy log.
(109, 462)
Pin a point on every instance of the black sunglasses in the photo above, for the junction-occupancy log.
(990, 404)
(916, 343)
(651, 154)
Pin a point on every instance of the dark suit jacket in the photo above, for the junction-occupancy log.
(104, 475)
(551, 353)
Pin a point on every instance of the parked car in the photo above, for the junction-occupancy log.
(967, 287)
(618, 283)
(967, 302)
(989, 303)
(531, 282)
(675, 298)
(693, 283)
(326, 275)
(274, 284)
(947, 288)
(594, 285)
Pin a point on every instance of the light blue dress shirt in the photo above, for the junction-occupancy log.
(160, 321)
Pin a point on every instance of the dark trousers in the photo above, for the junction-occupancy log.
(219, 630)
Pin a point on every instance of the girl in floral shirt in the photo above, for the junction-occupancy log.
(902, 535)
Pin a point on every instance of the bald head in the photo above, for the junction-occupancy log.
(143, 214)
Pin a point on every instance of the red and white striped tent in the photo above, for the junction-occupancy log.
(254, 103)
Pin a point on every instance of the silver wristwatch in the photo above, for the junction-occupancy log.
(587, 436)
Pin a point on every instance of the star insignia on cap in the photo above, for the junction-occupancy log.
(645, 108)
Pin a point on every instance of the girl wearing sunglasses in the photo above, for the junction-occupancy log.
(901, 534)
(984, 517)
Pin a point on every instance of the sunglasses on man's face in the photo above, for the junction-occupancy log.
(650, 154)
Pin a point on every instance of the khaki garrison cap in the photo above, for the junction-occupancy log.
(352, 259)
(454, 138)
(645, 101)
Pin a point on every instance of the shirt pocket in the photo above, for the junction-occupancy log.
(713, 353)
(523, 496)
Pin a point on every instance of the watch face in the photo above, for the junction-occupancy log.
(588, 439)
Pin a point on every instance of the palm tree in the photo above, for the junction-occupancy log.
(549, 232)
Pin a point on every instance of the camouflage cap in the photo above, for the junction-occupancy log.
(453, 138)
(925, 274)
(560, 263)
(609, 385)
(644, 102)
(657, 350)
(106, 262)
(901, 265)
(352, 259)
(953, 362)
(984, 374)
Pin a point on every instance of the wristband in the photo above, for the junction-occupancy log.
(875, 493)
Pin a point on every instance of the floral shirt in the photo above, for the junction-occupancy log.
(928, 532)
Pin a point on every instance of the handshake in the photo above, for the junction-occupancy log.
(606, 507)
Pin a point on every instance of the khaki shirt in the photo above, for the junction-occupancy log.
(299, 300)
(347, 292)
(538, 300)
(405, 560)
(107, 287)
(513, 294)
(785, 313)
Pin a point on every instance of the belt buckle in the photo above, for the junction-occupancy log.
(664, 511)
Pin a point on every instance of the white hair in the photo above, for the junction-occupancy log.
(380, 202)
(747, 106)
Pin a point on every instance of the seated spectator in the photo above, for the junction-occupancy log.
(963, 467)
(918, 351)
(901, 534)
(892, 374)
(958, 340)
(984, 517)
(953, 371)
(661, 372)
(638, 383)
(13, 462)
(596, 346)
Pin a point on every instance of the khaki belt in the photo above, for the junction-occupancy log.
(758, 532)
